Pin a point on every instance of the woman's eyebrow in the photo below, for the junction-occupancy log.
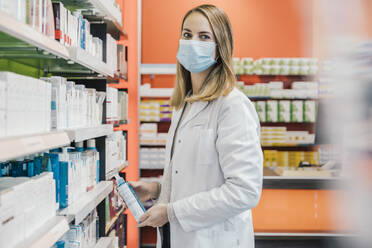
(205, 32)
(186, 29)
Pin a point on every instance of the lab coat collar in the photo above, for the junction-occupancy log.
(196, 108)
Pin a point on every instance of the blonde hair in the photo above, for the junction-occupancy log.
(221, 79)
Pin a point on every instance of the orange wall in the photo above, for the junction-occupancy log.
(262, 28)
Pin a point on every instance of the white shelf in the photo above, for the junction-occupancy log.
(24, 32)
(111, 173)
(152, 144)
(14, 147)
(82, 134)
(158, 69)
(152, 168)
(273, 234)
(108, 10)
(160, 92)
(84, 58)
(300, 178)
(106, 242)
(46, 235)
(89, 201)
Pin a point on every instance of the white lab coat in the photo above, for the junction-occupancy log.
(216, 174)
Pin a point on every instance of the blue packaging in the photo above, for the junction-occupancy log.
(54, 158)
(38, 161)
(63, 179)
(31, 168)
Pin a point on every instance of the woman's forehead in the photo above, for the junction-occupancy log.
(196, 22)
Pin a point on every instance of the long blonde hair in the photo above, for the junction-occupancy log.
(221, 79)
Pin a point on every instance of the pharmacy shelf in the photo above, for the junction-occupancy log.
(152, 168)
(46, 235)
(22, 43)
(82, 134)
(84, 58)
(114, 219)
(86, 203)
(158, 69)
(26, 33)
(106, 242)
(112, 173)
(286, 182)
(258, 98)
(273, 234)
(289, 145)
(20, 146)
(156, 93)
(152, 144)
(110, 11)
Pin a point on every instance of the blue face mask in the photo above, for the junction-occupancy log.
(196, 56)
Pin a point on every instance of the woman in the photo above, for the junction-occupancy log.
(213, 172)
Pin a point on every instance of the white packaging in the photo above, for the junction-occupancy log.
(296, 111)
(271, 111)
(112, 105)
(130, 199)
(284, 111)
(309, 111)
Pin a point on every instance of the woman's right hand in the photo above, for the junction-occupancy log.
(145, 190)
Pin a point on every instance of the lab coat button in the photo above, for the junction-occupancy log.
(176, 171)
(179, 141)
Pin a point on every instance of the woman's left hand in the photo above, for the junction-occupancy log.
(156, 216)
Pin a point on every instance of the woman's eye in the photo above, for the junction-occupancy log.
(205, 37)
(187, 35)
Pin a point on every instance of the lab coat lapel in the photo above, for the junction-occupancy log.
(196, 108)
(176, 118)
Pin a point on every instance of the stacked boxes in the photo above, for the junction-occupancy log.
(271, 136)
(155, 110)
(26, 204)
(152, 158)
(150, 136)
(276, 66)
(286, 111)
(24, 100)
(275, 89)
(274, 158)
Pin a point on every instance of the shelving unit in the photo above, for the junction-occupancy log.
(114, 219)
(82, 134)
(89, 201)
(46, 235)
(40, 50)
(26, 51)
(121, 167)
(14, 147)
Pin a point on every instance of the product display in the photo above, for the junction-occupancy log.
(155, 110)
(275, 89)
(116, 150)
(84, 235)
(26, 204)
(286, 111)
(276, 66)
(24, 100)
(274, 158)
(152, 158)
(279, 136)
(150, 136)
(111, 52)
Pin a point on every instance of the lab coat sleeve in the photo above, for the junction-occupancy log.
(240, 158)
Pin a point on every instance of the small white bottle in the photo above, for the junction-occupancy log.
(130, 198)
